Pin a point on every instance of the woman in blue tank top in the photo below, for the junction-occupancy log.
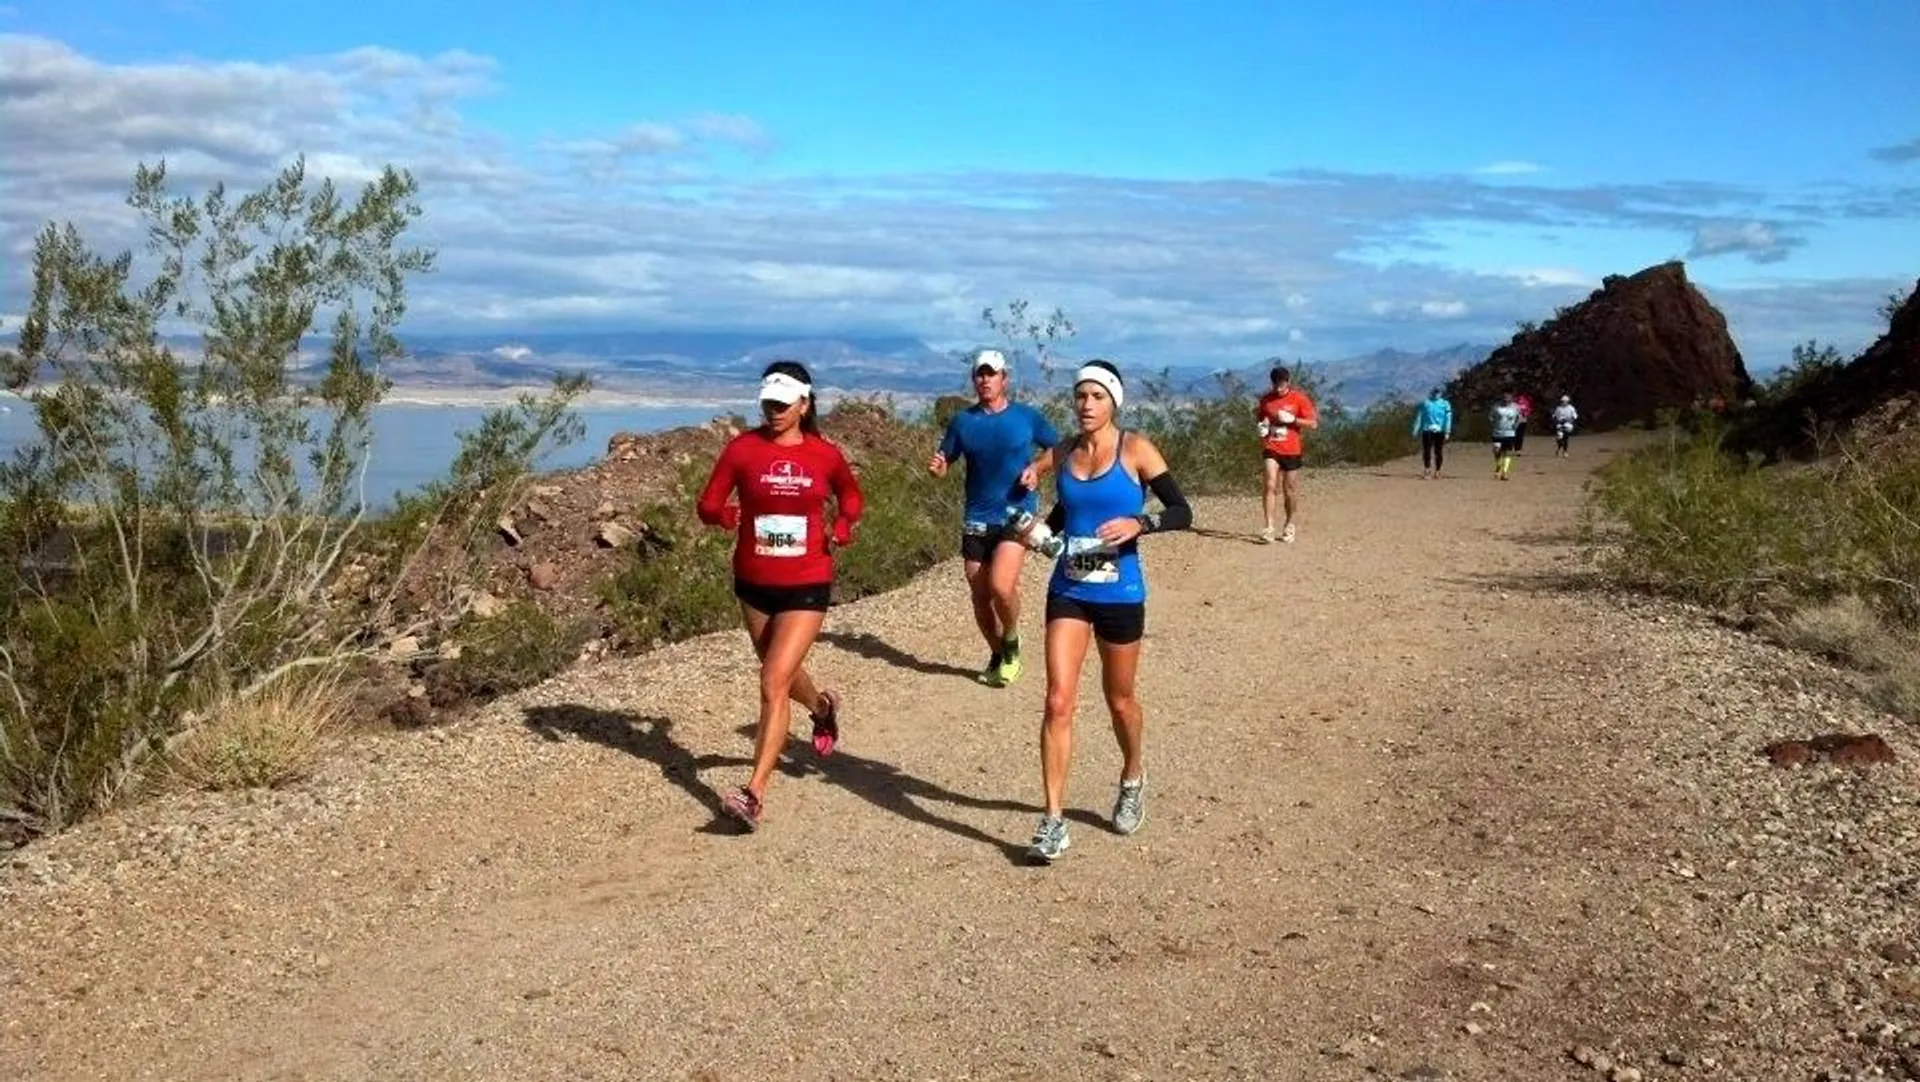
(1098, 591)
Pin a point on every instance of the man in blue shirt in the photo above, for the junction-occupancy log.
(998, 438)
(1433, 423)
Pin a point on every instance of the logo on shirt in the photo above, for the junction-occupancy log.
(786, 478)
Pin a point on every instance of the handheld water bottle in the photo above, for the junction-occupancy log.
(1033, 532)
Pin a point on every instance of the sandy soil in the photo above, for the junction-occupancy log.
(1422, 806)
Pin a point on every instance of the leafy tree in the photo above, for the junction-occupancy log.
(177, 531)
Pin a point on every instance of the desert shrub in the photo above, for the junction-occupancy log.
(272, 738)
(515, 648)
(1832, 550)
(678, 581)
(179, 528)
(911, 522)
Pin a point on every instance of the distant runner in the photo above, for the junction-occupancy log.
(1506, 422)
(784, 472)
(998, 438)
(1565, 417)
(1524, 403)
(1099, 591)
(1281, 414)
(1433, 424)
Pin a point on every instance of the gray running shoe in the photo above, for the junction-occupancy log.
(1049, 839)
(1130, 806)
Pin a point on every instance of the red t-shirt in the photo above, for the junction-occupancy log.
(782, 536)
(1285, 440)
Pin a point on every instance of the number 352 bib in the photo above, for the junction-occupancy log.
(1090, 560)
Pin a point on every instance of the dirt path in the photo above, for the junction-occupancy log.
(1415, 812)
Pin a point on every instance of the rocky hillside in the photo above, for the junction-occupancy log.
(1639, 344)
(1875, 396)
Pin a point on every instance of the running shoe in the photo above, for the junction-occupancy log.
(826, 725)
(990, 675)
(742, 805)
(1050, 839)
(1286, 534)
(1009, 667)
(1266, 535)
(1130, 806)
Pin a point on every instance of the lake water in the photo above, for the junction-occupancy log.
(414, 444)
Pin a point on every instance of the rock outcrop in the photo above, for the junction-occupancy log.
(1639, 344)
(1876, 396)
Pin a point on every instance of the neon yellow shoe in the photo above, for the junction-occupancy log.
(1010, 667)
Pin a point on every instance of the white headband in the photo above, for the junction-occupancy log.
(1096, 374)
(784, 389)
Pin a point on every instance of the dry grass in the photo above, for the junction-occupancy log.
(1849, 631)
(271, 739)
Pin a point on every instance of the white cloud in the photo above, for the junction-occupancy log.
(1758, 241)
(638, 226)
(1535, 277)
(1509, 169)
(512, 353)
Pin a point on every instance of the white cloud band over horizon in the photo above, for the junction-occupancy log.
(687, 223)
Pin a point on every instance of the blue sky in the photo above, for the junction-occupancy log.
(1202, 183)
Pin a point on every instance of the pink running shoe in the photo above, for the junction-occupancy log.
(741, 804)
(826, 726)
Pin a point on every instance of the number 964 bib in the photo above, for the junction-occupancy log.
(780, 535)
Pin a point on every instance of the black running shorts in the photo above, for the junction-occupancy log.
(977, 548)
(774, 600)
(1288, 463)
(1117, 623)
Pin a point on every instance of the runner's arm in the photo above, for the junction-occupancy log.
(712, 507)
(1306, 418)
(852, 503)
(1176, 513)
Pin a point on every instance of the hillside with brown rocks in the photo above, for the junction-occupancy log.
(1639, 344)
(1876, 396)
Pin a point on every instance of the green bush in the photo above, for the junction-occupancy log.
(1700, 523)
(912, 521)
(678, 581)
(515, 648)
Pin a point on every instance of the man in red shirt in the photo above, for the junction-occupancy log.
(1282, 413)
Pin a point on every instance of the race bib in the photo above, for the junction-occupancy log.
(780, 535)
(1091, 560)
(974, 529)
(1433, 428)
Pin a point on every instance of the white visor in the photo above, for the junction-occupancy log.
(1093, 373)
(784, 389)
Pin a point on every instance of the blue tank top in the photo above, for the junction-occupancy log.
(1089, 569)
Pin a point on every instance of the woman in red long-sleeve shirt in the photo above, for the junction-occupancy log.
(784, 472)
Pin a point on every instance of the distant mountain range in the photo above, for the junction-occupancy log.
(697, 365)
(674, 364)
(1362, 380)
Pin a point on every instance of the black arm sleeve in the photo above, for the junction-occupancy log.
(1177, 514)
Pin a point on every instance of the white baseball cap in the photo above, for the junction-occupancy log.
(784, 389)
(991, 359)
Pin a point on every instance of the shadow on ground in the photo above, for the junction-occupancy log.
(892, 789)
(1229, 535)
(868, 645)
(882, 784)
(644, 737)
